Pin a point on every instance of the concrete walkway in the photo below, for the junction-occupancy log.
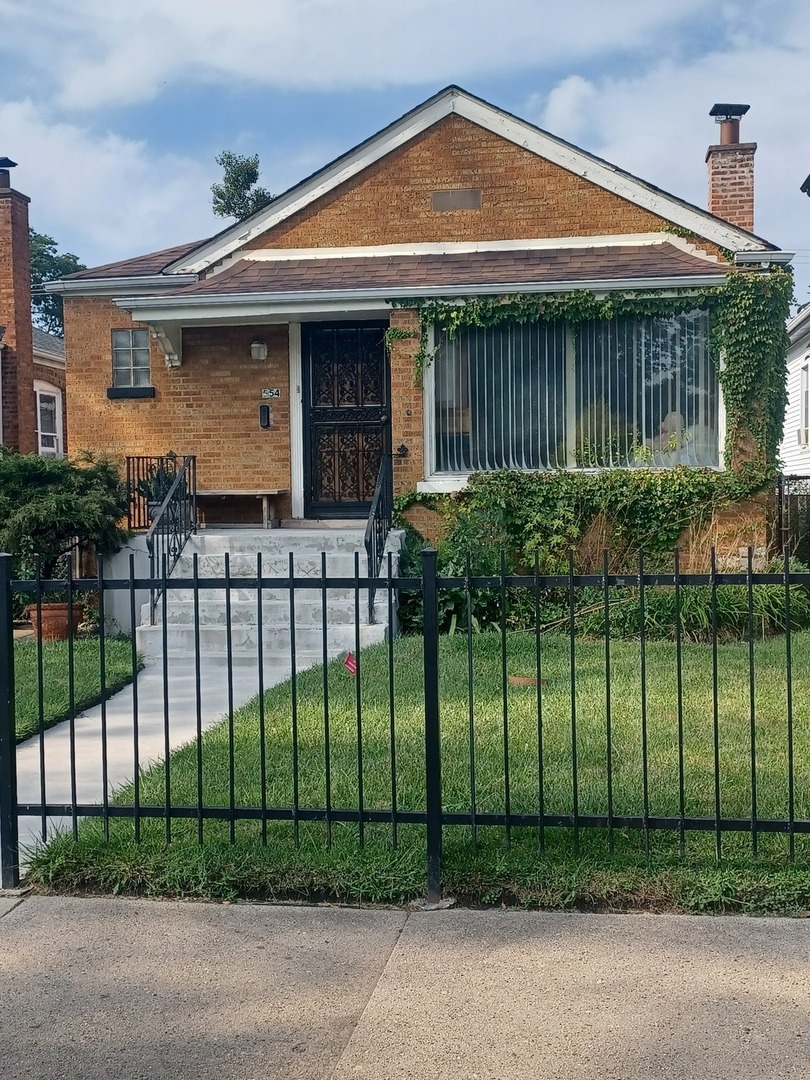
(182, 722)
(139, 989)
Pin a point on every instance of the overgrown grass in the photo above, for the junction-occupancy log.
(55, 680)
(491, 871)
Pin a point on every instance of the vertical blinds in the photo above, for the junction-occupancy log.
(618, 393)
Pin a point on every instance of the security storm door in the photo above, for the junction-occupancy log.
(346, 416)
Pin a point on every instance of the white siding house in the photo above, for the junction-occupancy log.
(795, 449)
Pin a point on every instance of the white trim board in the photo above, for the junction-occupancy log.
(467, 247)
(455, 100)
(296, 422)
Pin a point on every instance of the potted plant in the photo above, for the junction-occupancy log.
(155, 486)
(46, 506)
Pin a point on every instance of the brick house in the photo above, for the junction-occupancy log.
(33, 417)
(263, 350)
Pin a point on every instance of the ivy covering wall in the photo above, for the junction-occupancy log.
(642, 510)
(749, 313)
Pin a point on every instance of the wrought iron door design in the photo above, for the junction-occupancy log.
(346, 412)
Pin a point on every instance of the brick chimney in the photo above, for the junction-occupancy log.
(731, 169)
(17, 352)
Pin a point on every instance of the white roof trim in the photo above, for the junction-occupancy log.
(455, 100)
(109, 286)
(473, 247)
(49, 360)
(249, 305)
(799, 326)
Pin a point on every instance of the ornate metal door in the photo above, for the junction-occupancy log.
(347, 426)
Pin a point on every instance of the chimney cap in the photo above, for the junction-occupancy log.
(728, 112)
(806, 186)
(7, 163)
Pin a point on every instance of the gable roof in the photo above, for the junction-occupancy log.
(455, 100)
(46, 344)
(156, 262)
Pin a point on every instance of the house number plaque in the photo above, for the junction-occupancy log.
(271, 392)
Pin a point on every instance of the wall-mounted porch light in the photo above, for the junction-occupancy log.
(258, 349)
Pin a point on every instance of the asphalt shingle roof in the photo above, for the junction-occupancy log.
(47, 343)
(153, 263)
(476, 268)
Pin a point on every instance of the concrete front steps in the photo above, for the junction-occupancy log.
(345, 556)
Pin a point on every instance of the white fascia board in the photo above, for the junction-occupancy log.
(146, 283)
(763, 257)
(522, 134)
(57, 363)
(180, 308)
(472, 247)
(799, 326)
(236, 309)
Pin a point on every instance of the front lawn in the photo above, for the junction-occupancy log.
(55, 679)
(491, 872)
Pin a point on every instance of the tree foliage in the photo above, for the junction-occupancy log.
(47, 502)
(238, 195)
(48, 264)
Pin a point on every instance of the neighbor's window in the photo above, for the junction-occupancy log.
(618, 393)
(130, 349)
(50, 438)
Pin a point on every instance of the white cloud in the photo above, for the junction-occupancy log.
(93, 52)
(101, 196)
(656, 124)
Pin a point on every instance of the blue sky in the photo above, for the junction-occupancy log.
(116, 112)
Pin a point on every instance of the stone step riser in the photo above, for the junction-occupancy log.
(279, 543)
(180, 639)
(275, 613)
(303, 597)
(304, 565)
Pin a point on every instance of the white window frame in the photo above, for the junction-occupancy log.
(48, 389)
(444, 483)
(803, 432)
(131, 348)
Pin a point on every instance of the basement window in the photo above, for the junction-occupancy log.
(130, 358)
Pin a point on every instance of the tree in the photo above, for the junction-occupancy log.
(47, 264)
(238, 196)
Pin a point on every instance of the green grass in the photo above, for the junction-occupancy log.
(491, 872)
(55, 681)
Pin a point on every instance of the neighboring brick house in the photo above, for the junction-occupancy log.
(33, 416)
(261, 350)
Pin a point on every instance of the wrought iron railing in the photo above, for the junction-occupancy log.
(149, 477)
(174, 522)
(379, 524)
(793, 517)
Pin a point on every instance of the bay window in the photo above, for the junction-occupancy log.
(628, 392)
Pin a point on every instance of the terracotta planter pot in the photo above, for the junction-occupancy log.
(54, 622)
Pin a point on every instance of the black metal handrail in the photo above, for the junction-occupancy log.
(379, 523)
(173, 524)
(148, 479)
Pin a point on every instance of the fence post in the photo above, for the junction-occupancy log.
(433, 761)
(9, 836)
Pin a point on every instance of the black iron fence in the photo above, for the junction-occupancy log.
(793, 516)
(659, 705)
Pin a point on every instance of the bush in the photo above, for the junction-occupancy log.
(48, 503)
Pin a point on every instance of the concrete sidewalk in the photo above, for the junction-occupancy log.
(139, 989)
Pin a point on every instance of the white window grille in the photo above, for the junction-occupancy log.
(804, 406)
(130, 354)
(50, 432)
(618, 393)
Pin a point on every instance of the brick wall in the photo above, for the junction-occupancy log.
(15, 315)
(731, 183)
(208, 407)
(522, 196)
